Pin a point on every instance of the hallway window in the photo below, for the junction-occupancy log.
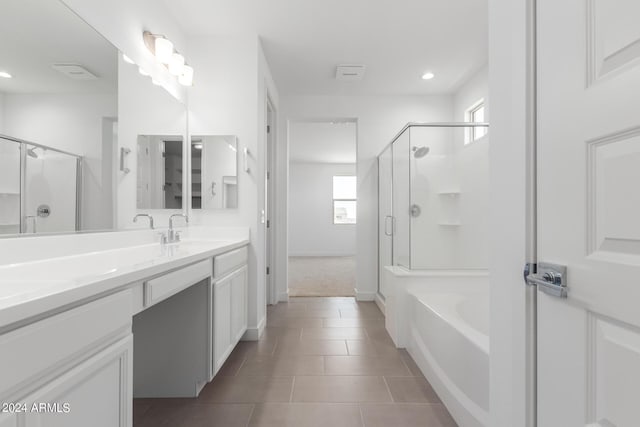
(475, 114)
(344, 199)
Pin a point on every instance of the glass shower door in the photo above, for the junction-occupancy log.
(401, 201)
(50, 191)
(9, 187)
(385, 216)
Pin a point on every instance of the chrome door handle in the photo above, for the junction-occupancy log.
(386, 223)
(550, 279)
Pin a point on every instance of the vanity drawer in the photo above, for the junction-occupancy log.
(162, 287)
(38, 349)
(227, 262)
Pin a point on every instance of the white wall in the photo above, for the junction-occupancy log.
(144, 109)
(379, 120)
(509, 57)
(311, 228)
(231, 100)
(73, 123)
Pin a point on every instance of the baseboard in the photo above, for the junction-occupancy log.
(365, 296)
(381, 304)
(283, 296)
(254, 334)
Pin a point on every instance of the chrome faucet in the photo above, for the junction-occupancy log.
(135, 219)
(173, 235)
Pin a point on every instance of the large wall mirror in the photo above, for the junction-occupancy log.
(58, 118)
(214, 172)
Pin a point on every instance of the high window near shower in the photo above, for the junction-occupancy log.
(475, 114)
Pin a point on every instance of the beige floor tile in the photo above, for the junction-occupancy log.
(411, 390)
(355, 322)
(366, 365)
(283, 366)
(214, 415)
(247, 390)
(306, 415)
(411, 364)
(372, 348)
(312, 347)
(334, 333)
(350, 314)
(271, 332)
(406, 415)
(162, 412)
(321, 313)
(340, 389)
(294, 322)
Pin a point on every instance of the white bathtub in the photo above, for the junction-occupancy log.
(442, 318)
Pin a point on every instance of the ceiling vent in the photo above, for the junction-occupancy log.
(74, 71)
(350, 72)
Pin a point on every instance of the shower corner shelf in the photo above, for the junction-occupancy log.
(452, 193)
(450, 224)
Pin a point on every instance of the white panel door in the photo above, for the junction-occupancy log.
(385, 216)
(589, 211)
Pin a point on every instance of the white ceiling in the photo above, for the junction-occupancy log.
(397, 40)
(315, 142)
(34, 34)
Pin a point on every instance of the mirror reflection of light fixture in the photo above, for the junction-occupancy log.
(6, 75)
(198, 146)
(176, 64)
(186, 79)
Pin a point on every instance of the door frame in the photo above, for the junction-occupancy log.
(270, 229)
(512, 93)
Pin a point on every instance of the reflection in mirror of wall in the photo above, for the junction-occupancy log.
(159, 172)
(58, 112)
(214, 172)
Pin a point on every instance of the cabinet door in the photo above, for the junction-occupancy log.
(238, 304)
(221, 322)
(97, 393)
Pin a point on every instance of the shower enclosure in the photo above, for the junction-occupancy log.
(433, 198)
(39, 188)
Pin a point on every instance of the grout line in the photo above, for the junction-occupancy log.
(361, 414)
(275, 347)
(388, 389)
(293, 385)
(253, 409)
(244, 359)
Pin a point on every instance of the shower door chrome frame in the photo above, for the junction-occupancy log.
(23, 179)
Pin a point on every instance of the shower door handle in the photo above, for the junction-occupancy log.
(386, 225)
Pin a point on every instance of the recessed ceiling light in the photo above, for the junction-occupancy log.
(428, 75)
(5, 75)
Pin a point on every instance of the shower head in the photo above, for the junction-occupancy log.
(31, 152)
(420, 152)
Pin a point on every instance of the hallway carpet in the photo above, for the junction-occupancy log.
(321, 362)
(322, 276)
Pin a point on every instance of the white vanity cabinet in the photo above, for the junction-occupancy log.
(71, 369)
(229, 304)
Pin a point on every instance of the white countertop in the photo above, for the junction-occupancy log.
(31, 288)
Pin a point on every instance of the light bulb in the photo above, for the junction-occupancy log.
(428, 75)
(5, 75)
(176, 64)
(186, 79)
(163, 50)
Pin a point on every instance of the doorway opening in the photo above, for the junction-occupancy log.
(322, 208)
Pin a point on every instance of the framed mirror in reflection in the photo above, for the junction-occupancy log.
(214, 172)
(159, 172)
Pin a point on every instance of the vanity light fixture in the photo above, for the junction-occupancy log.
(176, 64)
(5, 75)
(163, 50)
(127, 59)
(186, 79)
(428, 75)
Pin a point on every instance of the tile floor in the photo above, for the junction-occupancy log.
(321, 362)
